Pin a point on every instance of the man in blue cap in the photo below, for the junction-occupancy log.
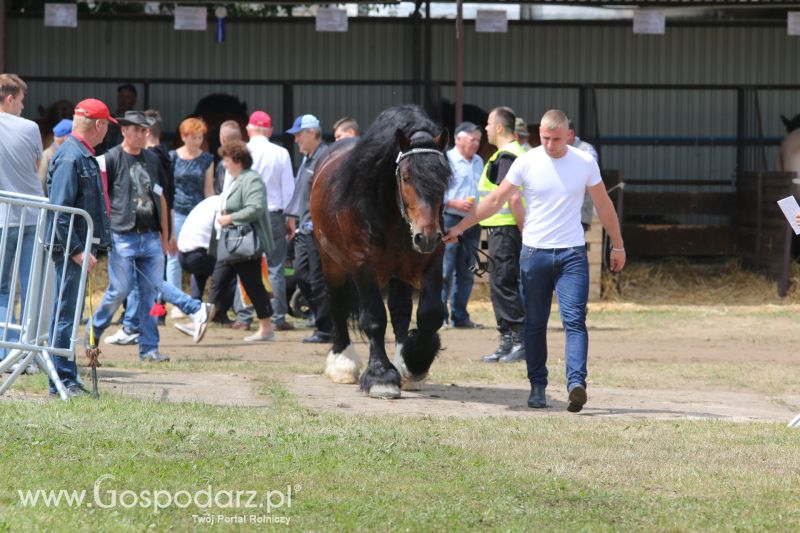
(60, 133)
(307, 263)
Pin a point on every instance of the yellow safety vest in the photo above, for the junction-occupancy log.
(503, 217)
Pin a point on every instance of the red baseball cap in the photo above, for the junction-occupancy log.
(93, 108)
(260, 119)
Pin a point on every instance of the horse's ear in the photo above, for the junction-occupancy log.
(786, 122)
(402, 140)
(442, 139)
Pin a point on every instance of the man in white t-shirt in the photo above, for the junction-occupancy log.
(20, 153)
(554, 177)
(274, 165)
(193, 244)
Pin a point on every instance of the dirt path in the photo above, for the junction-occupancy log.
(716, 337)
(477, 400)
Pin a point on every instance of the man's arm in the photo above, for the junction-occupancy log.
(608, 217)
(517, 209)
(63, 192)
(208, 187)
(488, 206)
(165, 214)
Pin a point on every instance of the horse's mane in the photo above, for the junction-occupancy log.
(366, 179)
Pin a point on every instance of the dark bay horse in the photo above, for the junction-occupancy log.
(376, 206)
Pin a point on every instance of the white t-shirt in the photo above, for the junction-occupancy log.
(553, 190)
(20, 149)
(273, 164)
(196, 230)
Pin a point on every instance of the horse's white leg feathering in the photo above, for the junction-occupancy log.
(343, 367)
(408, 380)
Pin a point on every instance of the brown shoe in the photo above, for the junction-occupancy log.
(283, 325)
(244, 326)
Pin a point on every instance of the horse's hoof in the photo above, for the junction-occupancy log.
(409, 381)
(384, 391)
(343, 367)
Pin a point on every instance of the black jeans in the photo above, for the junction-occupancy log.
(249, 273)
(308, 272)
(505, 245)
(200, 265)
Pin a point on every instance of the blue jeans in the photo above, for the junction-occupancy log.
(7, 264)
(134, 256)
(458, 279)
(64, 309)
(567, 271)
(171, 294)
(174, 273)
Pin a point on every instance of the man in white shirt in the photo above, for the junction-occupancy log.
(274, 165)
(554, 178)
(459, 198)
(20, 153)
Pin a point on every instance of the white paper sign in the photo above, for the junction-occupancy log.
(793, 23)
(61, 15)
(649, 22)
(790, 209)
(491, 21)
(191, 18)
(330, 19)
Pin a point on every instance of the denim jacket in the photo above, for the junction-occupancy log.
(73, 180)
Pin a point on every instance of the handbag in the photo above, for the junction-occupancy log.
(238, 243)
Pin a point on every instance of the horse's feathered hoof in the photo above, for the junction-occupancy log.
(409, 381)
(384, 391)
(343, 367)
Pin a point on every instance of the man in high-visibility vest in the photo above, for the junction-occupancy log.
(504, 238)
(554, 178)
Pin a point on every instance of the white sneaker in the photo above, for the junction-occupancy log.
(176, 314)
(31, 369)
(186, 329)
(122, 338)
(201, 318)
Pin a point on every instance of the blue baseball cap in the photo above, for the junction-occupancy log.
(63, 128)
(303, 122)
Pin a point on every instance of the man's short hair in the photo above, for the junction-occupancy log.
(467, 128)
(346, 123)
(11, 85)
(238, 152)
(155, 129)
(128, 87)
(234, 130)
(554, 119)
(506, 116)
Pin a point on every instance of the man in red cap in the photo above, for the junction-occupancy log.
(73, 180)
(273, 164)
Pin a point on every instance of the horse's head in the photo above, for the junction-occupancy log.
(422, 177)
(791, 125)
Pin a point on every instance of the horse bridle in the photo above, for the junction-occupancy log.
(400, 156)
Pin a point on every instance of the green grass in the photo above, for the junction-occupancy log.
(397, 473)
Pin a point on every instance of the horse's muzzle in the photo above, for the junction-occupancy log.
(426, 244)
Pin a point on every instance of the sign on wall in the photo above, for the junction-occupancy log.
(61, 15)
(190, 18)
(649, 22)
(491, 21)
(331, 19)
(793, 23)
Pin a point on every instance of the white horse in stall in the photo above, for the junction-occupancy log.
(789, 157)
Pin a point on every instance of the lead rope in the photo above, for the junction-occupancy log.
(92, 351)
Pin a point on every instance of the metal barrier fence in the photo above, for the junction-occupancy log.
(26, 338)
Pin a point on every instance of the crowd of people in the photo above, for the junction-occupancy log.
(159, 214)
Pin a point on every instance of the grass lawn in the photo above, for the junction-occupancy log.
(394, 473)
